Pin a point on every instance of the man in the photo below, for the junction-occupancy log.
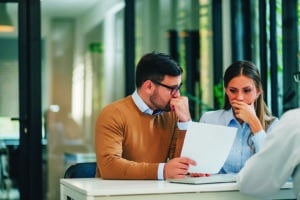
(131, 142)
(279, 159)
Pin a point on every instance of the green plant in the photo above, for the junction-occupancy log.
(219, 94)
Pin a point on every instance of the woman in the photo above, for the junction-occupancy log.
(245, 109)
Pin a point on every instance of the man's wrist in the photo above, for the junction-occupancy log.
(183, 125)
(161, 171)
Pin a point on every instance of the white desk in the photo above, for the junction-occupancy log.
(96, 188)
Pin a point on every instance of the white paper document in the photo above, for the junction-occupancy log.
(209, 145)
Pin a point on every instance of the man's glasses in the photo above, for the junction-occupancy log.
(173, 89)
(297, 76)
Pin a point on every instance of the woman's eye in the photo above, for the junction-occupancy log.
(247, 90)
(232, 90)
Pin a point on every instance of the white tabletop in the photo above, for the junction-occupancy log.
(100, 187)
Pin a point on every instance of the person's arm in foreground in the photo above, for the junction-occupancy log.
(265, 172)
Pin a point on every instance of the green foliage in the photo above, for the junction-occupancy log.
(96, 47)
(219, 94)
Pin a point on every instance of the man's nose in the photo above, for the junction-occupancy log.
(176, 94)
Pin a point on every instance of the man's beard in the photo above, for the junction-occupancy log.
(167, 108)
(154, 99)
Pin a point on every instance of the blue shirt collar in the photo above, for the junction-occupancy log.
(229, 117)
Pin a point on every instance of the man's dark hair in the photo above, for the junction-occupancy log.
(154, 66)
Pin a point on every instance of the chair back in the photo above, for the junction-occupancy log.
(81, 170)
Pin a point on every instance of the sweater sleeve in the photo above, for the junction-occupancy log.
(177, 143)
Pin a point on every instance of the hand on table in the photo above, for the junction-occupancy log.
(177, 167)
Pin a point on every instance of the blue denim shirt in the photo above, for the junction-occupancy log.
(240, 151)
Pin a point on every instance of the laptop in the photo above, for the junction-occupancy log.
(215, 178)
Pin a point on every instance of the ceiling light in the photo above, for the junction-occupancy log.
(6, 24)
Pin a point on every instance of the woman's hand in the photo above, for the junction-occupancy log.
(246, 113)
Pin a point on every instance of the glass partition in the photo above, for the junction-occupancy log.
(83, 51)
(9, 98)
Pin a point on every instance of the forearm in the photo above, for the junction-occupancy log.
(112, 168)
(258, 140)
(255, 125)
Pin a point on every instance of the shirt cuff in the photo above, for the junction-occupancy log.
(183, 125)
(258, 139)
(160, 171)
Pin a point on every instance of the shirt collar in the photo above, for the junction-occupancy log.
(141, 104)
(229, 117)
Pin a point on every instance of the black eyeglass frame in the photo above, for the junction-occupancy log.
(173, 89)
(297, 76)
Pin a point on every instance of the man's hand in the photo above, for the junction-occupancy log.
(180, 105)
(177, 167)
(198, 174)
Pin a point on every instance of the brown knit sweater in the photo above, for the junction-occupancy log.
(130, 144)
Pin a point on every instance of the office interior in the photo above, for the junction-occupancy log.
(65, 60)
